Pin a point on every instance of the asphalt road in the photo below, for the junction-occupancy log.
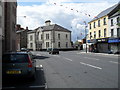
(71, 69)
(75, 69)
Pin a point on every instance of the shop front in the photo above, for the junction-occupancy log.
(102, 45)
(114, 44)
(92, 45)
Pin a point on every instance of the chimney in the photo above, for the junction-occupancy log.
(18, 27)
(47, 22)
(26, 28)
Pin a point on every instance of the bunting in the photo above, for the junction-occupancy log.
(74, 10)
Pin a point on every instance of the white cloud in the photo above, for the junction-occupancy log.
(36, 15)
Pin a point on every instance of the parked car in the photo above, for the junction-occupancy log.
(18, 64)
(54, 51)
(49, 49)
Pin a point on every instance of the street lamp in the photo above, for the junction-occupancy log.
(85, 35)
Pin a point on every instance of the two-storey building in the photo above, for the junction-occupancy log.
(51, 36)
(99, 31)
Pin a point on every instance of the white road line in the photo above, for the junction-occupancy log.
(41, 66)
(91, 65)
(68, 59)
(92, 58)
(113, 62)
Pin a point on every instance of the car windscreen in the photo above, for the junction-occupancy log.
(15, 58)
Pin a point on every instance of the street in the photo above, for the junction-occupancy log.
(73, 69)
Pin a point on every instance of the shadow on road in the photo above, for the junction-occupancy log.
(41, 57)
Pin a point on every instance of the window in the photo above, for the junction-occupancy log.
(41, 36)
(47, 44)
(94, 24)
(47, 36)
(105, 32)
(90, 35)
(31, 37)
(37, 35)
(112, 32)
(66, 44)
(111, 22)
(59, 44)
(99, 33)
(90, 26)
(104, 21)
(94, 34)
(118, 32)
(31, 45)
(59, 36)
(66, 36)
(118, 20)
(98, 23)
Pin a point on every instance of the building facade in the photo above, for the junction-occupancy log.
(9, 42)
(51, 36)
(99, 31)
(114, 31)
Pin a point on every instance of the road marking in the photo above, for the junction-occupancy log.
(41, 66)
(114, 62)
(92, 58)
(68, 59)
(91, 65)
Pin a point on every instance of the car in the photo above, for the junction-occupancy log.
(24, 49)
(49, 49)
(54, 51)
(19, 65)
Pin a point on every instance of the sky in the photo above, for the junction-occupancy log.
(71, 14)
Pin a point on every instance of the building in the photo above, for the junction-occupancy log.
(114, 30)
(21, 37)
(10, 9)
(49, 36)
(99, 31)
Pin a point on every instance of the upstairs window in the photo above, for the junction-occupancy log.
(105, 32)
(90, 26)
(111, 22)
(94, 24)
(118, 20)
(112, 32)
(47, 36)
(118, 32)
(94, 34)
(59, 36)
(31, 37)
(104, 21)
(59, 44)
(66, 36)
(90, 35)
(99, 33)
(98, 23)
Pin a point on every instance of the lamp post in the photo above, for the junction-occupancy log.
(85, 35)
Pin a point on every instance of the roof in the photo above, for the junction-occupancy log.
(55, 27)
(32, 31)
(105, 12)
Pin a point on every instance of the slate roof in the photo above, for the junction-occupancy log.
(55, 27)
(105, 12)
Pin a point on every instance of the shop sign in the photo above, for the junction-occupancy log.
(116, 40)
(102, 40)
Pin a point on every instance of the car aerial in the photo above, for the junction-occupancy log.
(54, 51)
(18, 64)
